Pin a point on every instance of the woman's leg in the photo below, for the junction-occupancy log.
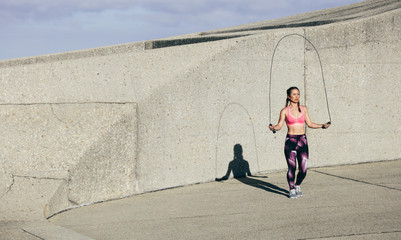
(291, 156)
(303, 158)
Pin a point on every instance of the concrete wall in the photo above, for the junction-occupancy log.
(171, 116)
(65, 155)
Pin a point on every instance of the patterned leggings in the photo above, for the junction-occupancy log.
(296, 148)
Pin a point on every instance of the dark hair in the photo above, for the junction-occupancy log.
(289, 94)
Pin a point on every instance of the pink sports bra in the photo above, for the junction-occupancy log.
(290, 120)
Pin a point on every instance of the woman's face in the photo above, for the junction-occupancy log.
(294, 96)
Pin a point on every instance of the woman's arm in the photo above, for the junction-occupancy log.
(280, 121)
(312, 124)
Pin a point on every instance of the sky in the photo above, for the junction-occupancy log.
(38, 27)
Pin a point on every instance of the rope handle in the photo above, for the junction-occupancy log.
(274, 130)
(327, 123)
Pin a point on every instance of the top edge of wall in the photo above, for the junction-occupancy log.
(355, 11)
(86, 53)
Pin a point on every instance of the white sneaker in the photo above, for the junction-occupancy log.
(292, 194)
(298, 191)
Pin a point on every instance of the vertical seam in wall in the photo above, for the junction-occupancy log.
(164, 130)
(137, 149)
(305, 72)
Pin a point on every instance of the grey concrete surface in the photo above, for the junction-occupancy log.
(48, 152)
(34, 230)
(194, 100)
(55, 233)
(345, 202)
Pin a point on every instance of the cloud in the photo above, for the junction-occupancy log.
(35, 27)
(23, 10)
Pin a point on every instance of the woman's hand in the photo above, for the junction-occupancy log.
(271, 127)
(326, 125)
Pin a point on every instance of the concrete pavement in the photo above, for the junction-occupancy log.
(345, 202)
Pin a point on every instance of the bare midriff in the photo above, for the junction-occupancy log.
(296, 129)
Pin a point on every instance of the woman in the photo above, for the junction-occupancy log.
(296, 145)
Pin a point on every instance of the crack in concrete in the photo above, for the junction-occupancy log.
(28, 177)
(64, 103)
(32, 234)
(356, 180)
(350, 235)
(55, 115)
(9, 187)
(40, 178)
(73, 202)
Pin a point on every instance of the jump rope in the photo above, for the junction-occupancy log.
(271, 70)
(270, 82)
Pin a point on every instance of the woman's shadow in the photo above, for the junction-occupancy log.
(240, 168)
